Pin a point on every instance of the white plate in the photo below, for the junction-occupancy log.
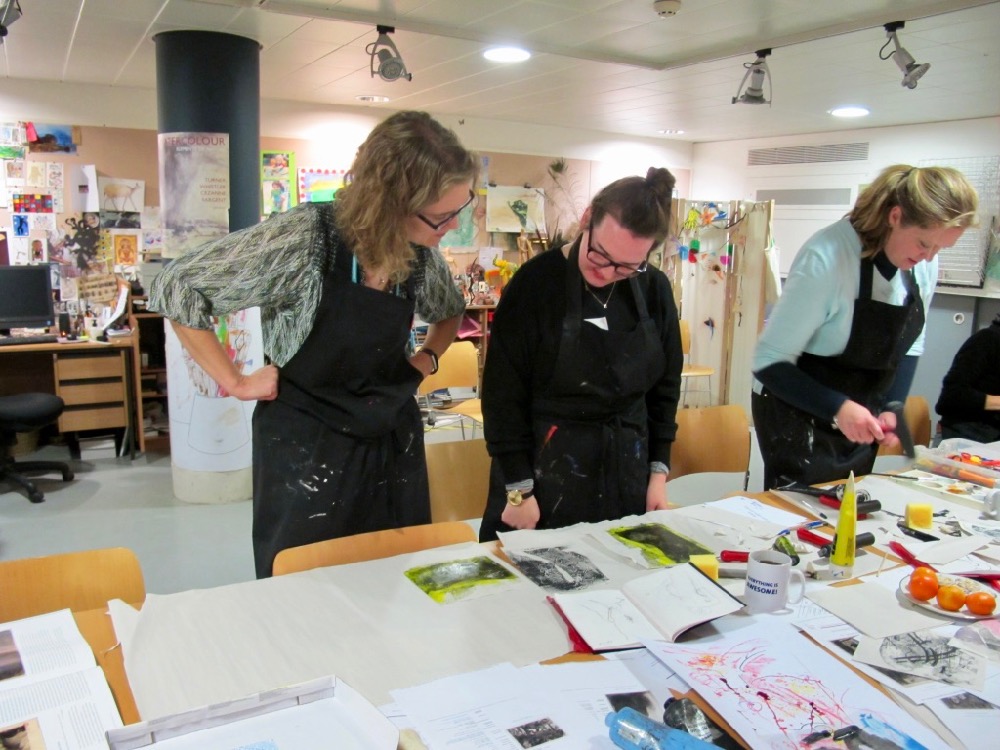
(969, 585)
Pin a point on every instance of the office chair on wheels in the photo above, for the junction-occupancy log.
(23, 413)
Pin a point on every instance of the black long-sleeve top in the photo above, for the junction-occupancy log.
(524, 343)
(974, 374)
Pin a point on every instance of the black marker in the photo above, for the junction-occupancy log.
(922, 536)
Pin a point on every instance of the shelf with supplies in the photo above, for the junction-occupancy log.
(152, 377)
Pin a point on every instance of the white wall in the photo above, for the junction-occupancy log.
(720, 168)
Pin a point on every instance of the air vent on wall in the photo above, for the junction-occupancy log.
(757, 157)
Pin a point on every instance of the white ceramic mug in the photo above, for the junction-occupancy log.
(769, 576)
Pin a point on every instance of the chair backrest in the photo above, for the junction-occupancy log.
(917, 413)
(458, 367)
(371, 546)
(715, 438)
(75, 580)
(685, 337)
(458, 472)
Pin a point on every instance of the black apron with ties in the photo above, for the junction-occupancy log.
(590, 421)
(805, 448)
(341, 450)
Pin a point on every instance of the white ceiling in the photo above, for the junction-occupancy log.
(606, 65)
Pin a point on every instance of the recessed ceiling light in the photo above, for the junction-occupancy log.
(506, 54)
(851, 111)
(670, 132)
(372, 99)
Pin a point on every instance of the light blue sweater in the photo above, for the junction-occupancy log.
(816, 308)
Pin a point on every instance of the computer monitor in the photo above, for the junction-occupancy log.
(25, 297)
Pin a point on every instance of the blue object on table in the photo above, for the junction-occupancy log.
(632, 730)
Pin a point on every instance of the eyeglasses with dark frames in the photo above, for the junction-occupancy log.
(602, 260)
(436, 225)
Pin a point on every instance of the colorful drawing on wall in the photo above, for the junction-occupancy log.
(660, 545)
(126, 248)
(31, 203)
(465, 234)
(52, 138)
(515, 209)
(318, 185)
(277, 184)
(121, 195)
(11, 152)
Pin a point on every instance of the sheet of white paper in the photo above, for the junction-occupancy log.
(872, 609)
(497, 708)
(925, 653)
(42, 647)
(595, 687)
(757, 676)
(756, 510)
(725, 529)
(651, 672)
(950, 549)
(970, 718)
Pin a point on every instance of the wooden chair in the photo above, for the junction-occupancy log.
(714, 438)
(692, 370)
(75, 580)
(458, 472)
(371, 546)
(917, 413)
(458, 367)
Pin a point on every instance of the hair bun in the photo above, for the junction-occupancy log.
(661, 181)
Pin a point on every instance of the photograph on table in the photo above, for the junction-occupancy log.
(660, 545)
(458, 579)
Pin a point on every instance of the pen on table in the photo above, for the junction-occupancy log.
(910, 531)
(810, 537)
(810, 525)
(734, 555)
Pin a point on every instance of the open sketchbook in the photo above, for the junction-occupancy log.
(660, 605)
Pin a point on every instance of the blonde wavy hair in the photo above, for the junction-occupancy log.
(929, 197)
(408, 162)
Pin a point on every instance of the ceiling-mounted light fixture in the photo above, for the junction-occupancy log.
(390, 65)
(10, 11)
(912, 72)
(507, 54)
(757, 73)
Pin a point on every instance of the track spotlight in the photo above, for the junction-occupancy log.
(386, 61)
(912, 72)
(757, 73)
(10, 11)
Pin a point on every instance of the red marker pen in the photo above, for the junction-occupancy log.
(733, 555)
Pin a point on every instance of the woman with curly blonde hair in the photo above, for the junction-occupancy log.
(338, 440)
(852, 307)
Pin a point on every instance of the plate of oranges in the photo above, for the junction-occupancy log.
(952, 596)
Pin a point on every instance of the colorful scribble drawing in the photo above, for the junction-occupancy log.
(455, 579)
(772, 698)
(661, 546)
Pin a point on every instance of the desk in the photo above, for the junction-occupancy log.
(97, 381)
(482, 315)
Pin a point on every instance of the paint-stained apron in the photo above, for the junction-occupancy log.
(590, 421)
(805, 448)
(341, 450)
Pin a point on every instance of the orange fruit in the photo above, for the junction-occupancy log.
(923, 588)
(981, 603)
(924, 572)
(950, 598)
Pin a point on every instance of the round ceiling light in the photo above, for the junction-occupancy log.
(506, 54)
(850, 111)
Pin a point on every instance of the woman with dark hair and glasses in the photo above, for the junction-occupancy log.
(338, 444)
(583, 372)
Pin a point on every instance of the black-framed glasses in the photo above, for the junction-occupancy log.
(602, 260)
(436, 225)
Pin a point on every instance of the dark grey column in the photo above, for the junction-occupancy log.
(210, 82)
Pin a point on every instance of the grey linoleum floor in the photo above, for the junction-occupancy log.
(130, 503)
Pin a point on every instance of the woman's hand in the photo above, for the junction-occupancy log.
(888, 421)
(656, 493)
(260, 385)
(421, 361)
(859, 426)
(523, 516)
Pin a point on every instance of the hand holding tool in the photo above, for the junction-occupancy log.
(902, 429)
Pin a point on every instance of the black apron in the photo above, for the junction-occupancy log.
(590, 422)
(341, 450)
(805, 448)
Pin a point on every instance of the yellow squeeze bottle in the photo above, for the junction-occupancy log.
(842, 556)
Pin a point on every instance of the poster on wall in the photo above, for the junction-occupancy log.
(515, 209)
(317, 185)
(194, 189)
(45, 138)
(278, 188)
